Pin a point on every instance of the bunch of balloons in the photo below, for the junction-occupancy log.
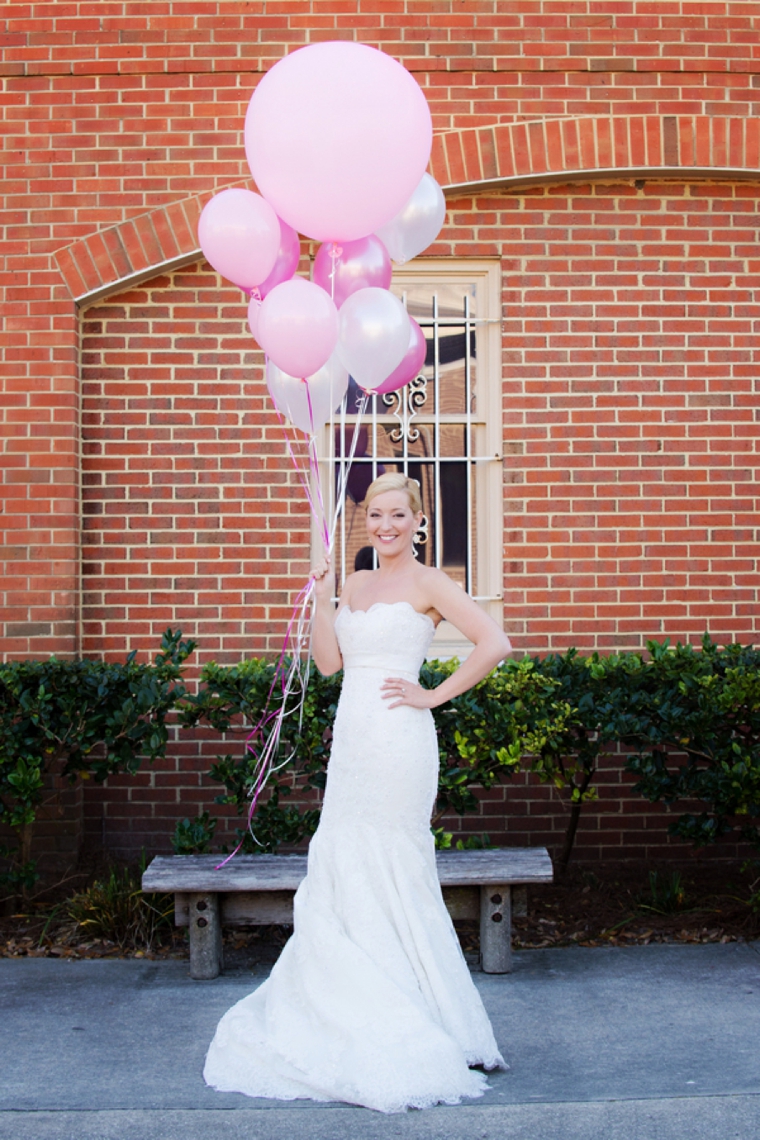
(337, 136)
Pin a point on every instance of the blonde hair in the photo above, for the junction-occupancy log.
(395, 481)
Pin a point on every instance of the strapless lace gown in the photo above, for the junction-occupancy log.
(371, 1000)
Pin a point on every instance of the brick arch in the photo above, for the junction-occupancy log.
(511, 154)
(569, 149)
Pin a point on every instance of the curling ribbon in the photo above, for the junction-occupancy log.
(290, 678)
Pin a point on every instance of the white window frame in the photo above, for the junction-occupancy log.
(487, 435)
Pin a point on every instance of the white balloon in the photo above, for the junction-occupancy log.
(416, 226)
(309, 403)
(373, 335)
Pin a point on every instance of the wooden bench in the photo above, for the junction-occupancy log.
(255, 890)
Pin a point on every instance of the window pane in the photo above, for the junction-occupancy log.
(426, 430)
(420, 297)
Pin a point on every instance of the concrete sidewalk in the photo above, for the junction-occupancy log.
(644, 1043)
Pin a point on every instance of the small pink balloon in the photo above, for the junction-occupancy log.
(298, 327)
(337, 136)
(254, 308)
(410, 365)
(239, 234)
(344, 269)
(286, 264)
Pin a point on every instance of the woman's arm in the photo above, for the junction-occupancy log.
(324, 644)
(490, 642)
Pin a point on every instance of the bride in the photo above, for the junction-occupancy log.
(371, 1001)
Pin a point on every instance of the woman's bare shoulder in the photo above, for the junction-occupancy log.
(429, 578)
(441, 592)
(352, 582)
(430, 588)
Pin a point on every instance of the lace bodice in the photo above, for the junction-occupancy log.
(392, 636)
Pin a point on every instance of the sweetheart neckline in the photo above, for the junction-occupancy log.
(374, 605)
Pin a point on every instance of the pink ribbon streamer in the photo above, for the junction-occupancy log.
(288, 676)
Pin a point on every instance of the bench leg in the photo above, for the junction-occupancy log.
(205, 936)
(496, 929)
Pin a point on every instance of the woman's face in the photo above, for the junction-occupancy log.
(391, 523)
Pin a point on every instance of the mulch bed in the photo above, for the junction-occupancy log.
(709, 904)
(613, 907)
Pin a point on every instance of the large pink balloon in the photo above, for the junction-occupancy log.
(298, 327)
(337, 135)
(308, 403)
(374, 335)
(286, 264)
(362, 264)
(410, 365)
(239, 234)
(417, 225)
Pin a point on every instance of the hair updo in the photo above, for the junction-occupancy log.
(395, 481)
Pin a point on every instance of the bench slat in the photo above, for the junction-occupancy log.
(243, 873)
(263, 908)
(497, 865)
(188, 873)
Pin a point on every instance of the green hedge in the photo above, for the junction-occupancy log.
(78, 719)
(692, 719)
(688, 721)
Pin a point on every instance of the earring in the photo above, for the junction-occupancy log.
(421, 535)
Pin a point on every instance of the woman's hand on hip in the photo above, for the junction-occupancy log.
(397, 692)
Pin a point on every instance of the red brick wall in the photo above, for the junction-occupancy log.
(482, 60)
(117, 108)
(192, 514)
(619, 827)
(630, 364)
(631, 356)
(141, 811)
(630, 327)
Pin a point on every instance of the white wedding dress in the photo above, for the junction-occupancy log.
(371, 1000)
